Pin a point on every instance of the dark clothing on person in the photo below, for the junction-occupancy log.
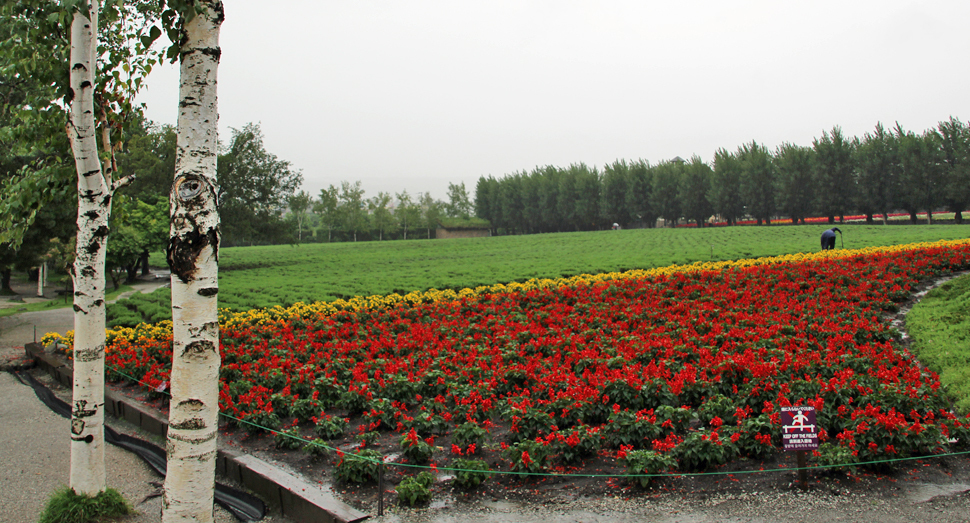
(828, 238)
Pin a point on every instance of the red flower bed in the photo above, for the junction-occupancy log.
(696, 365)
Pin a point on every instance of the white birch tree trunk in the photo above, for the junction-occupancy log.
(94, 206)
(193, 254)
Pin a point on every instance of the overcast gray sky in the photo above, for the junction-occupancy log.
(414, 95)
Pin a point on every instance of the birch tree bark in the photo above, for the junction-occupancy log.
(193, 254)
(94, 206)
(96, 185)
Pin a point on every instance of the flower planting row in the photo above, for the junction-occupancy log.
(674, 369)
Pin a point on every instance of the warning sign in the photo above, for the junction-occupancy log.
(798, 429)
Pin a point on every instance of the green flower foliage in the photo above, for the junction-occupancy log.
(646, 462)
(416, 449)
(317, 447)
(469, 433)
(359, 467)
(528, 456)
(415, 490)
(835, 457)
(471, 473)
(288, 439)
(330, 427)
(704, 450)
(261, 421)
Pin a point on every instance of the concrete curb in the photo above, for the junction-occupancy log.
(296, 498)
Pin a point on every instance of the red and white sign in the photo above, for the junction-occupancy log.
(798, 428)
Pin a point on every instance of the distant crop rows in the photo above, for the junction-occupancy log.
(255, 277)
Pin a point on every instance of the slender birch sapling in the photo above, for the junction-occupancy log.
(94, 207)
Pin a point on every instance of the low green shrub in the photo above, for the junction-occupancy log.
(471, 472)
(288, 439)
(703, 450)
(330, 427)
(638, 462)
(305, 409)
(261, 421)
(575, 444)
(317, 447)
(64, 506)
(835, 458)
(360, 467)
(414, 490)
(468, 434)
(528, 456)
(415, 449)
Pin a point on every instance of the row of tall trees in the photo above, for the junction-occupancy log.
(344, 213)
(883, 171)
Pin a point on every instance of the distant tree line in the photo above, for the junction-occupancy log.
(261, 201)
(884, 171)
(345, 214)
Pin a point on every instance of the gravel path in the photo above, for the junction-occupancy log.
(35, 451)
(35, 448)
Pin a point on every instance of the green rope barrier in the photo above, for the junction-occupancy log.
(346, 455)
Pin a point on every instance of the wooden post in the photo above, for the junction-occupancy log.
(802, 472)
(380, 489)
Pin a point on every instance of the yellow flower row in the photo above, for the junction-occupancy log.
(298, 310)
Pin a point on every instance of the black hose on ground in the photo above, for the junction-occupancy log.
(245, 507)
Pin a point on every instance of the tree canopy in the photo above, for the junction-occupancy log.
(254, 189)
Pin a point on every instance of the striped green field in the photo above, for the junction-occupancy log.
(252, 277)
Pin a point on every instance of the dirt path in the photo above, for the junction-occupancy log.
(20, 329)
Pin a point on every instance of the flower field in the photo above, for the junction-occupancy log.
(682, 367)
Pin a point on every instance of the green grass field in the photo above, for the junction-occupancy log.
(64, 301)
(252, 277)
(940, 328)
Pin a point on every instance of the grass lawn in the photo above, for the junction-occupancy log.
(940, 328)
(252, 277)
(56, 303)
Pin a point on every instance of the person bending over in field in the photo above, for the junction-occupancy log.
(828, 238)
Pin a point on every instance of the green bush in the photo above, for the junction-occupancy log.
(639, 462)
(359, 467)
(415, 490)
(527, 423)
(717, 406)
(636, 429)
(414, 448)
(703, 450)
(428, 423)
(317, 447)
(528, 456)
(305, 409)
(261, 421)
(835, 458)
(469, 433)
(64, 506)
(330, 427)
(288, 439)
(755, 437)
(471, 472)
(367, 438)
(577, 443)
